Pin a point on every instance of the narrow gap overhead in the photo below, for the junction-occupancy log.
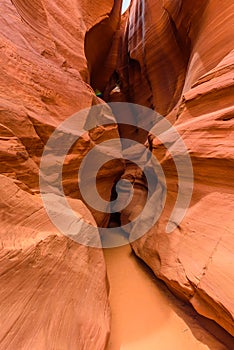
(125, 6)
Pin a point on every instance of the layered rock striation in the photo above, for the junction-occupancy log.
(54, 292)
(177, 58)
(168, 55)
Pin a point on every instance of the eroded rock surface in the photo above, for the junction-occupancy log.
(178, 58)
(168, 55)
(54, 292)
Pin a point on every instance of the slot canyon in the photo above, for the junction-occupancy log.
(168, 59)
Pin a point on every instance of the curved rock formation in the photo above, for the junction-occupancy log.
(179, 60)
(54, 292)
(98, 44)
(169, 55)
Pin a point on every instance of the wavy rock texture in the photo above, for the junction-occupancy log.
(98, 44)
(54, 292)
(168, 55)
(44, 80)
(177, 57)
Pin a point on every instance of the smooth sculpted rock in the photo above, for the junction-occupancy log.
(53, 291)
(169, 55)
(178, 57)
(44, 80)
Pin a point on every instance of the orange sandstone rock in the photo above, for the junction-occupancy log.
(180, 61)
(53, 290)
(168, 55)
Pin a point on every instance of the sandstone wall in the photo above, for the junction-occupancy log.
(178, 58)
(169, 55)
(54, 292)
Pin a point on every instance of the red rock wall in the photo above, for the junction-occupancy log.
(170, 55)
(178, 58)
(53, 292)
(98, 43)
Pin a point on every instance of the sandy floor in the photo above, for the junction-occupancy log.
(145, 315)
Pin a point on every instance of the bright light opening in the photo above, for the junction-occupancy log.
(125, 6)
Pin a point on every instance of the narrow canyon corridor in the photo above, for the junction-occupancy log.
(117, 167)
